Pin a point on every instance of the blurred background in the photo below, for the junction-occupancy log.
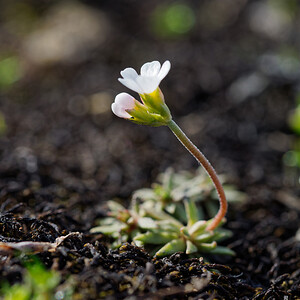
(233, 87)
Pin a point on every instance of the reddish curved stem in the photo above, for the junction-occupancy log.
(208, 168)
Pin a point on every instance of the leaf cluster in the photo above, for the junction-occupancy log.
(167, 218)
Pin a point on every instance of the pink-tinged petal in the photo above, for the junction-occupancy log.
(129, 73)
(131, 84)
(164, 70)
(119, 111)
(123, 102)
(150, 69)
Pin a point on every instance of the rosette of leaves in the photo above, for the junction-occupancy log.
(159, 232)
(172, 188)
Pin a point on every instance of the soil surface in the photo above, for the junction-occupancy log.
(232, 87)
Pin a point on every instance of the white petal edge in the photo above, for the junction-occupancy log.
(150, 69)
(164, 70)
(129, 73)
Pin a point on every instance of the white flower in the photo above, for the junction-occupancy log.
(123, 102)
(152, 109)
(151, 76)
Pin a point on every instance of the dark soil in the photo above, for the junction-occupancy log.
(61, 158)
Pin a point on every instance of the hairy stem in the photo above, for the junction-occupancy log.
(208, 168)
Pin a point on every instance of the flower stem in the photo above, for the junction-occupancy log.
(208, 168)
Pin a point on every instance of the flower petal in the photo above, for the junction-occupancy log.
(148, 84)
(164, 70)
(150, 69)
(131, 84)
(123, 102)
(129, 73)
(151, 75)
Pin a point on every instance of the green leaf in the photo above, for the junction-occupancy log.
(190, 247)
(107, 229)
(169, 225)
(159, 214)
(156, 238)
(109, 221)
(146, 223)
(222, 251)
(167, 180)
(222, 222)
(115, 206)
(138, 243)
(144, 195)
(205, 237)
(198, 228)
(206, 247)
(191, 212)
(222, 233)
(116, 244)
(174, 246)
(185, 232)
(171, 208)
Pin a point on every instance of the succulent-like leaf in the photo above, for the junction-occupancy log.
(107, 229)
(185, 232)
(174, 246)
(109, 221)
(198, 227)
(190, 247)
(156, 238)
(169, 225)
(146, 223)
(206, 247)
(222, 251)
(191, 212)
(115, 206)
(221, 234)
(205, 237)
(158, 214)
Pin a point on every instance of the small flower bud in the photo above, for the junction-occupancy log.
(123, 102)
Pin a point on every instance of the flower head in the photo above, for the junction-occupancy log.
(152, 109)
(151, 76)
